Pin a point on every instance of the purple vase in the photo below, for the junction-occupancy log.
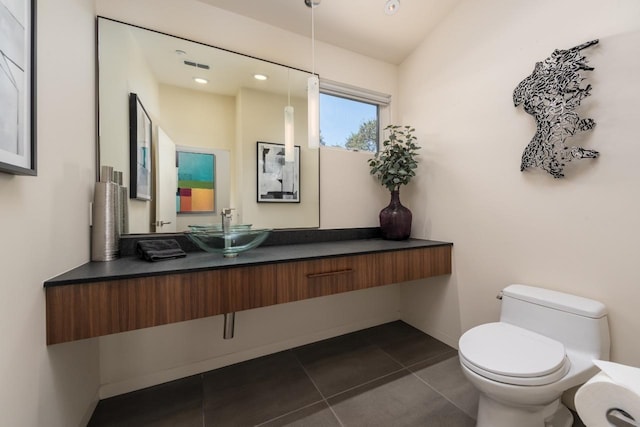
(395, 219)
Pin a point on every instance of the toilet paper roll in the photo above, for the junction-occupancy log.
(611, 395)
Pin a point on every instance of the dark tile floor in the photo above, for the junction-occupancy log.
(389, 375)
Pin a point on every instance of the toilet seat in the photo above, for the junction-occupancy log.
(512, 355)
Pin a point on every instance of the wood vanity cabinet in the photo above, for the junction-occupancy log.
(315, 278)
(310, 279)
(93, 309)
(84, 310)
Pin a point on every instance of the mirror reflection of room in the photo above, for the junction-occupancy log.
(201, 98)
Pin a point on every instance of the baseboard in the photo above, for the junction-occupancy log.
(439, 335)
(121, 387)
(90, 409)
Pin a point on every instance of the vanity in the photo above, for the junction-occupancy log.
(102, 298)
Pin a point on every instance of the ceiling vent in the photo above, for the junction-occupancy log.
(195, 64)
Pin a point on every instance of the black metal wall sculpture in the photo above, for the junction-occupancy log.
(551, 94)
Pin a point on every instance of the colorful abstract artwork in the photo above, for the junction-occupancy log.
(196, 181)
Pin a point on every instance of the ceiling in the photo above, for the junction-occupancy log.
(228, 71)
(360, 26)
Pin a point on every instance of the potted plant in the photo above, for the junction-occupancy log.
(394, 165)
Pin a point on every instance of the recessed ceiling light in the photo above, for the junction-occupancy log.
(391, 7)
(200, 80)
(260, 77)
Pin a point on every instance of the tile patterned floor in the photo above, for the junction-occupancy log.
(389, 375)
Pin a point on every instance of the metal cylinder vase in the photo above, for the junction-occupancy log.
(105, 237)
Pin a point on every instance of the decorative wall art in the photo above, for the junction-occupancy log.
(17, 87)
(140, 132)
(196, 181)
(278, 181)
(551, 95)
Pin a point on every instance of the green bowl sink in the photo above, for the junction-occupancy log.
(229, 244)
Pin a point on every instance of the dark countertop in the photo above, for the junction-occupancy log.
(132, 267)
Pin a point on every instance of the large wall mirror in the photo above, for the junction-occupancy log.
(223, 119)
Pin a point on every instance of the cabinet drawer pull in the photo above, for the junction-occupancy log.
(330, 273)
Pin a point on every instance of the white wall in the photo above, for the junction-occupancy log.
(578, 234)
(45, 229)
(261, 119)
(145, 357)
(141, 358)
(124, 71)
(349, 195)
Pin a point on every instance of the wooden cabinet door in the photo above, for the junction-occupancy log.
(94, 309)
(402, 266)
(309, 279)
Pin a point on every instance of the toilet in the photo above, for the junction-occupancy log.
(543, 345)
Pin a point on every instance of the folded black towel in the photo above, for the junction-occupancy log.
(158, 250)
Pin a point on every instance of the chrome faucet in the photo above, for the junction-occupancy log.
(226, 215)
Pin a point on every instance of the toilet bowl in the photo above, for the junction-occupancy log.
(543, 345)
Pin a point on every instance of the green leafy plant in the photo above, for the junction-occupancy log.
(395, 164)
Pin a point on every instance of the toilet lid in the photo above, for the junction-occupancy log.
(513, 355)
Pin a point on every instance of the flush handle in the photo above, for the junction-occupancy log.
(499, 296)
(619, 418)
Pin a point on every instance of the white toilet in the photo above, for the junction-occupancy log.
(543, 345)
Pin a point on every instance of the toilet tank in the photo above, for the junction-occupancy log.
(579, 323)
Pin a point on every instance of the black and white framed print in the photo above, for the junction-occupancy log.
(139, 150)
(17, 87)
(278, 181)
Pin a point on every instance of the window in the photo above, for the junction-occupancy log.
(350, 117)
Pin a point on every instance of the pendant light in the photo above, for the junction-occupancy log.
(288, 126)
(313, 87)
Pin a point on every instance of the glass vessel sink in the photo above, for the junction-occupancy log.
(218, 227)
(237, 239)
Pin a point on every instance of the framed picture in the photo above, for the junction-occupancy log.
(196, 180)
(139, 150)
(17, 87)
(278, 182)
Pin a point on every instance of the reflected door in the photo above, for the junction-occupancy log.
(167, 184)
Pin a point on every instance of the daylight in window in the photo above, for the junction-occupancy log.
(348, 124)
(350, 117)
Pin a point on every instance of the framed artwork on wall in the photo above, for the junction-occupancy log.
(17, 87)
(196, 180)
(278, 181)
(140, 131)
